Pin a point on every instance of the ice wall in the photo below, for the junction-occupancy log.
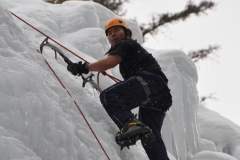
(180, 129)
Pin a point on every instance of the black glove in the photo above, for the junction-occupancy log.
(78, 68)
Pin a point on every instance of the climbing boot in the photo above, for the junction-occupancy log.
(131, 133)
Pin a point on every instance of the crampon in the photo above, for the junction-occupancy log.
(131, 133)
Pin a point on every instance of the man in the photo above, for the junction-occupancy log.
(144, 86)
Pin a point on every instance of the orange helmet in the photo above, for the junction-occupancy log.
(116, 22)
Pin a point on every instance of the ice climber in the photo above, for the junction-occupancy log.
(144, 86)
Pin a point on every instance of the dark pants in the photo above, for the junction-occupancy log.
(119, 99)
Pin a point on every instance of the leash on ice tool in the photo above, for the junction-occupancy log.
(69, 62)
(104, 73)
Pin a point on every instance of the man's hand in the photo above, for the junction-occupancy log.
(78, 68)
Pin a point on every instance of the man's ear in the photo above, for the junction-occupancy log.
(129, 33)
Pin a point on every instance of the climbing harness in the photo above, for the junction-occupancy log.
(149, 95)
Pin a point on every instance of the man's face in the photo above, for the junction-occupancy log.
(115, 34)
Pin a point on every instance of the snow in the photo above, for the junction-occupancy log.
(209, 155)
(38, 118)
(221, 131)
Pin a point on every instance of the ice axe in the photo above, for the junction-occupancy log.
(69, 62)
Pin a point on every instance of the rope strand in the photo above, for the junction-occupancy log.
(113, 78)
(104, 73)
(77, 107)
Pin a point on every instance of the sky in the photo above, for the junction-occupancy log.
(218, 74)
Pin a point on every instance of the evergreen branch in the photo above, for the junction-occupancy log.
(113, 5)
(210, 96)
(202, 53)
(162, 19)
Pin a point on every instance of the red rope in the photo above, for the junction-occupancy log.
(104, 73)
(113, 78)
(77, 107)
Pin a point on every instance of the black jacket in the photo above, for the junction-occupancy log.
(135, 59)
